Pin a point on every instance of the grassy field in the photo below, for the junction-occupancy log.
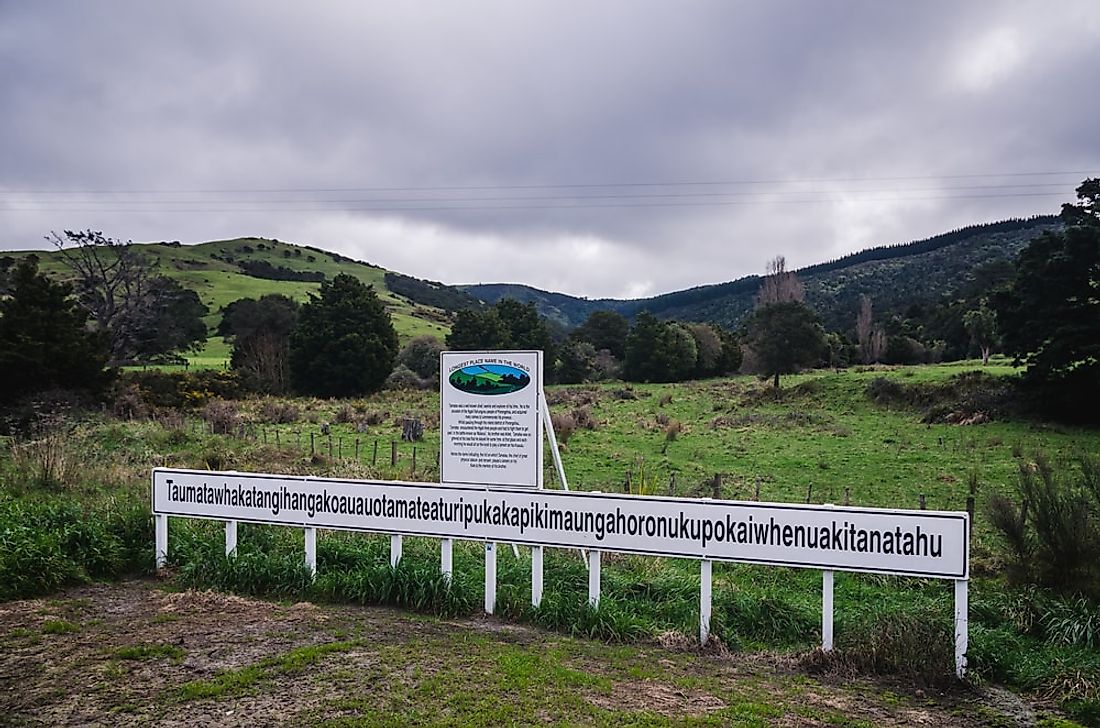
(821, 438)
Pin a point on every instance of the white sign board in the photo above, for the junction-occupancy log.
(912, 543)
(490, 422)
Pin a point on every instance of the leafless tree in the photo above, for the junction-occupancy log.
(779, 284)
(113, 283)
(872, 339)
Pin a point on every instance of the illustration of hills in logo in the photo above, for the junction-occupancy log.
(489, 379)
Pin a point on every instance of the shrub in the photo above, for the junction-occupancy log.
(182, 390)
(276, 412)
(404, 378)
(1053, 530)
(564, 426)
(222, 417)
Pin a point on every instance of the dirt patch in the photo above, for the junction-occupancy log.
(657, 697)
(134, 653)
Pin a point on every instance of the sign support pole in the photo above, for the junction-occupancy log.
(827, 611)
(594, 579)
(230, 538)
(161, 526)
(490, 577)
(395, 550)
(553, 439)
(705, 589)
(962, 626)
(311, 550)
(536, 575)
(446, 559)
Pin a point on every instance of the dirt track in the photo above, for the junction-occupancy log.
(132, 653)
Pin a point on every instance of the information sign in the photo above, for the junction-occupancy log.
(490, 418)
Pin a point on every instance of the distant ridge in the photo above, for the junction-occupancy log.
(895, 276)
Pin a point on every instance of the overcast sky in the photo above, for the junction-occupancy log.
(595, 148)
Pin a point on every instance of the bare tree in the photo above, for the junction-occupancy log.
(112, 283)
(863, 328)
(779, 284)
(872, 339)
(145, 315)
(878, 344)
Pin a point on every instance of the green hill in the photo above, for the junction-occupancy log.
(223, 271)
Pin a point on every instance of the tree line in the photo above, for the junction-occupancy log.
(115, 309)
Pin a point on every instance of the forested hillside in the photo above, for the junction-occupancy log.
(896, 277)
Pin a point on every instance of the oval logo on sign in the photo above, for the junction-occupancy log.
(489, 379)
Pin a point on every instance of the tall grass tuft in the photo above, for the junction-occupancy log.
(47, 545)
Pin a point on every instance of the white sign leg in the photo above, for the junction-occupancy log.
(446, 559)
(827, 611)
(490, 577)
(395, 550)
(705, 589)
(311, 550)
(230, 538)
(536, 575)
(161, 527)
(594, 579)
(962, 626)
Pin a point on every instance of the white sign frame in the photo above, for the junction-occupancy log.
(505, 460)
(227, 500)
(715, 530)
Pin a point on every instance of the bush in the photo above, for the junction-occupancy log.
(222, 417)
(404, 378)
(276, 412)
(184, 390)
(1053, 529)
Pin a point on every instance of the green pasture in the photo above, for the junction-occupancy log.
(820, 438)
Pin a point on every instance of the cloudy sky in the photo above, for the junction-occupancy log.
(595, 148)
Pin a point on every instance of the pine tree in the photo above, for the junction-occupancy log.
(344, 343)
(44, 340)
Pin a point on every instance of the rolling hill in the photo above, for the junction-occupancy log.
(896, 277)
(223, 271)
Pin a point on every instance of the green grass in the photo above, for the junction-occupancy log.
(59, 626)
(148, 652)
(244, 679)
(821, 429)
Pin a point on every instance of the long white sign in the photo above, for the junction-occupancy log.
(491, 426)
(913, 543)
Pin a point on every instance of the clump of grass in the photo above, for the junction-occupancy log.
(45, 545)
(917, 644)
(148, 652)
(747, 619)
(583, 418)
(48, 458)
(59, 626)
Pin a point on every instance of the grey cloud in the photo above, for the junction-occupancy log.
(209, 96)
